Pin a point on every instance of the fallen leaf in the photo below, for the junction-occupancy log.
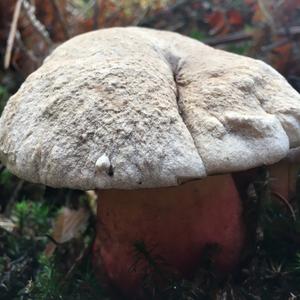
(7, 224)
(69, 224)
(216, 21)
(234, 17)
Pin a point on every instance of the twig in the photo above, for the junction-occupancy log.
(266, 12)
(177, 26)
(36, 24)
(12, 34)
(56, 243)
(245, 36)
(230, 38)
(289, 31)
(274, 45)
(60, 18)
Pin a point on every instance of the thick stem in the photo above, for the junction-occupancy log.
(146, 230)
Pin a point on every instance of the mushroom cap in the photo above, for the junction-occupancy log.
(132, 108)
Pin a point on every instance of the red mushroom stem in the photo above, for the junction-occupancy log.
(175, 224)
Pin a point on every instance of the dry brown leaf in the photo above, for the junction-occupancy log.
(217, 21)
(7, 224)
(234, 17)
(69, 224)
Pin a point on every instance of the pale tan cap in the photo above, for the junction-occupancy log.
(133, 108)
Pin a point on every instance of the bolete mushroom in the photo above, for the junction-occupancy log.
(156, 123)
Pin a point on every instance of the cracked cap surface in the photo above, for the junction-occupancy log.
(133, 108)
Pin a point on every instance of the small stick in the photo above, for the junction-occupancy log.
(275, 45)
(12, 34)
(230, 38)
(263, 5)
(245, 36)
(36, 24)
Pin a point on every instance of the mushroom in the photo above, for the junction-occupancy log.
(156, 123)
